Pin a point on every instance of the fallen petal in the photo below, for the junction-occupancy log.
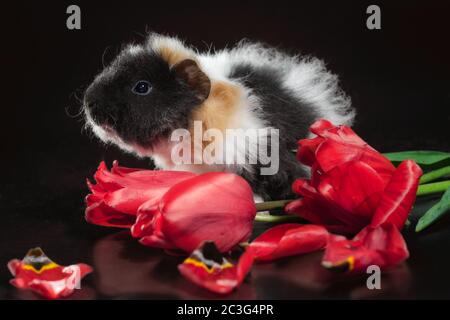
(38, 273)
(383, 246)
(208, 268)
(288, 240)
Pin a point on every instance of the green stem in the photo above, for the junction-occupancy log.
(260, 217)
(435, 174)
(269, 205)
(435, 187)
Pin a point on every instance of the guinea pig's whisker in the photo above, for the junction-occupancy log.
(103, 56)
(76, 115)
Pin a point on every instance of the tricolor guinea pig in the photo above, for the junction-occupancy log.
(153, 89)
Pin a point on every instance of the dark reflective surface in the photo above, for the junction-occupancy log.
(398, 78)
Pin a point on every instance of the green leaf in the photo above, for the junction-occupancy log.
(423, 158)
(435, 212)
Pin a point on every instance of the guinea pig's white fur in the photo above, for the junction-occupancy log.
(306, 77)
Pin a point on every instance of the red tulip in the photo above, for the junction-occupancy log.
(382, 246)
(38, 273)
(118, 194)
(351, 185)
(352, 189)
(215, 206)
(207, 268)
(287, 240)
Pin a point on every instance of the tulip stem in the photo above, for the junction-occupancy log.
(269, 205)
(435, 187)
(435, 174)
(261, 217)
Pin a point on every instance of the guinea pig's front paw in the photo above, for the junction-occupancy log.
(257, 198)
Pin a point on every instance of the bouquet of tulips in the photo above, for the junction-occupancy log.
(353, 206)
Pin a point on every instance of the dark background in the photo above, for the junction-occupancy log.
(398, 78)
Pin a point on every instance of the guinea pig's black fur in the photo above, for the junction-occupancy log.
(248, 86)
(111, 102)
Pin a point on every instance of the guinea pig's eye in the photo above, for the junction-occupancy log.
(142, 88)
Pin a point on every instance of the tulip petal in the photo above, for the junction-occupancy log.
(122, 171)
(288, 240)
(336, 145)
(105, 179)
(344, 134)
(95, 188)
(122, 191)
(143, 225)
(157, 241)
(313, 207)
(225, 216)
(320, 213)
(127, 177)
(331, 154)
(321, 126)
(150, 225)
(304, 188)
(356, 188)
(345, 198)
(128, 200)
(143, 186)
(38, 273)
(207, 268)
(156, 177)
(101, 214)
(383, 246)
(399, 195)
(92, 199)
(306, 152)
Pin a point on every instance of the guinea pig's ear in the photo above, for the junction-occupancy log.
(189, 71)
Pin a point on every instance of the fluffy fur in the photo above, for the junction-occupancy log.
(247, 87)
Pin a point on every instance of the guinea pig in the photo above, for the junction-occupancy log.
(151, 89)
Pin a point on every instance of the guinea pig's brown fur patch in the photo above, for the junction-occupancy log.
(217, 111)
(173, 56)
(172, 50)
